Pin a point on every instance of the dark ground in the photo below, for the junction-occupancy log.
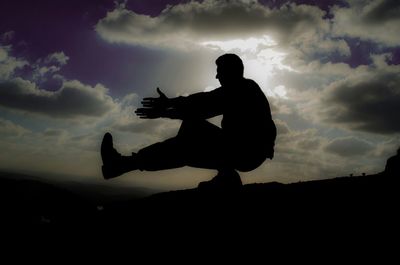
(326, 220)
(348, 201)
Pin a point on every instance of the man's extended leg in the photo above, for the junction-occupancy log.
(198, 144)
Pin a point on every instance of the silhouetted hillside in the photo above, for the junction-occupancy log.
(27, 199)
(345, 199)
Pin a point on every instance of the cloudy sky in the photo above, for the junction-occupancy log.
(72, 70)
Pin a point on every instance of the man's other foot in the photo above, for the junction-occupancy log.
(114, 164)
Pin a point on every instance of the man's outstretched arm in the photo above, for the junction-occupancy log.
(200, 105)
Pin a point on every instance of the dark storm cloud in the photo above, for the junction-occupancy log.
(383, 11)
(211, 19)
(73, 99)
(368, 101)
(347, 147)
(376, 20)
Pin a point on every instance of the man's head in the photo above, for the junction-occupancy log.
(229, 68)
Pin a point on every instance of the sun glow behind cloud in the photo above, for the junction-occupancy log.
(261, 58)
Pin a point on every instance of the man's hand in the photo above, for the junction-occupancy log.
(153, 107)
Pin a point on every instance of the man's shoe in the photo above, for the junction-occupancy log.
(114, 164)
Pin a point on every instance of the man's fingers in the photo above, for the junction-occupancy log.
(140, 111)
(147, 113)
(149, 99)
(146, 116)
(147, 104)
(160, 93)
(143, 116)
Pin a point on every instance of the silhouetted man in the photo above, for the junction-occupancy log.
(393, 165)
(244, 142)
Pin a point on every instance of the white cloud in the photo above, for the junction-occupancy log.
(52, 69)
(58, 58)
(8, 64)
(3, 54)
(48, 67)
(299, 156)
(281, 127)
(210, 20)
(72, 100)
(9, 128)
(319, 44)
(55, 132)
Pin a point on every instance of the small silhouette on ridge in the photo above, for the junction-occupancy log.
(392, 167)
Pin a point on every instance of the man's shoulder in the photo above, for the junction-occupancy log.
(250, 86)
(249, 81)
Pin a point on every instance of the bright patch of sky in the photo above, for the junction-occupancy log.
(261, 58)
